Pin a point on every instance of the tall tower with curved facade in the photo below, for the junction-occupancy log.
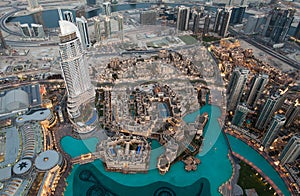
(75, 69)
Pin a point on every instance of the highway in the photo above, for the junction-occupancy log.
(266, 49)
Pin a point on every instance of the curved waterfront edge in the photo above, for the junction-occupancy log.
(242, 150)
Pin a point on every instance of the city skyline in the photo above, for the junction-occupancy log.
(117, 98)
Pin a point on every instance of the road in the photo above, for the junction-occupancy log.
(266, 49)
(3, 22)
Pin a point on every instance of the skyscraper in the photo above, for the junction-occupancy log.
(291, 151)
(196, 22)
(206, 24)
(292, 113)
(297, 32)
(268, 110)
(278, 24)
(240, 114)
(275, 126)
(218, 17)
(97, 29)
(183, 18)
(121, 25)
(38, 30)
(68, 15)
(258, 86)
(2, 41)
(107, 8)
(237, 15)
(225, 22)
(107, 27)
(236, 86)
(83, 29)
(74, 68)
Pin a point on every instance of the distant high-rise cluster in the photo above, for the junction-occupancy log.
(222, 20)
(278, 24)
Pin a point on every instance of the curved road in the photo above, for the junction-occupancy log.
(4, 18)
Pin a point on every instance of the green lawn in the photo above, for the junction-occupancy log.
(248, 179)
(210, 39)
(188, 40)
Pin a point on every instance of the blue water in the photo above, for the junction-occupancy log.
(93, 119)
(215, 166)
(44, 16)
(75, 147)
(250, 154)
(163, 110)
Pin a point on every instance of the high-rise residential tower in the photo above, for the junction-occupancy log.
(258, 86)
(206, 24)
(121, 26)
(275, 126)
(237, 15)
(74, 68)
(84, 33)
(97, 29)
(268, 110)
(107, 8)
(197, 16)
(235, 88)
(292, 113)
(240, 115)
(218, 18)
(107, 27)
(183, 18)
(278, 24)
(291, 151)
(225, 22)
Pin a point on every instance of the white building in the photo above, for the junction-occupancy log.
(25, 29)
(38, 30)
(74, 67)
(83, 30)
